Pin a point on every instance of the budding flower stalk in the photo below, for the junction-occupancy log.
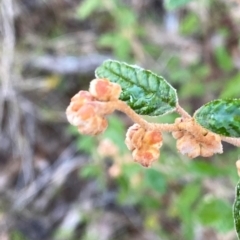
(88, 110)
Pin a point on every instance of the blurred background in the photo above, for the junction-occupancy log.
(56, 184)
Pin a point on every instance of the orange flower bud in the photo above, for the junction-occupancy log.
(211, 146)
(153, 138)
(115, 170)
(84, 113)
(82, 96)
(146, 156)
(104, 90)
(206, 152)
(93, 126)
(145, 144)
(193, 140)
(177, 134)
(102, 108)
(134, 137)
(187, 145)
(77, 102)
(107, 148)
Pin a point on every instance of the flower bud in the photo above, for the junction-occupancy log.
(104, 90)
(211, 146)
(134, 137)
(93, 126)
(187, 145)
(80, 116)
(193, 140)
(144, 144)
(115, 170)
(107, 148)
(153, 138)
(81, 97)
(206, 152)
(146, 156)
(77, 102)
(177, 134)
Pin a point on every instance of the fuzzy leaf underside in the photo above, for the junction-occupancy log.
(221, 116)
(236, 210)
(145, 92)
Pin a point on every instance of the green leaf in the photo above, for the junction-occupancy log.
(190, 24)
(145, 92)
(155, 180)
(17, 235)
(205, 169)
(216, 213)
(230, 89)
(236, 210)
(118, 42)
(87, 7)
(90, 171)
(86, 143)
(185, 204)
(221, 116)
(174, 4)
(224, 59)
(188, 196)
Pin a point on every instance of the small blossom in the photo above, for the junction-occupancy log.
(213, 145)
(177, 134)
(144, 144)
(82, 97)
(76, 104)
(153, 138)
(88, 114)
(187, 145)
(104, 90)
(134, 137)
(198, 142)
(115, 170)
(146, 156)
(107, 148)
(93, 126)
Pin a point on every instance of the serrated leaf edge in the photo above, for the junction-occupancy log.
(194, 115)
(232, 99)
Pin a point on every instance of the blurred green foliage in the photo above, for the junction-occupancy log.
(174, 4)
(120, 37)
(17, 235)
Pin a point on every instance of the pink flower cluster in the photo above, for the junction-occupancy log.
(87, 109)
(144, 144)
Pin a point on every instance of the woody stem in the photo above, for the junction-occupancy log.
(123, 107)
(233, 141)
(182, 112)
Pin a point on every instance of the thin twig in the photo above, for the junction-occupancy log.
(233, 141)
(11, 108)
(182, 112)
(123, 107)
(8, 43)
